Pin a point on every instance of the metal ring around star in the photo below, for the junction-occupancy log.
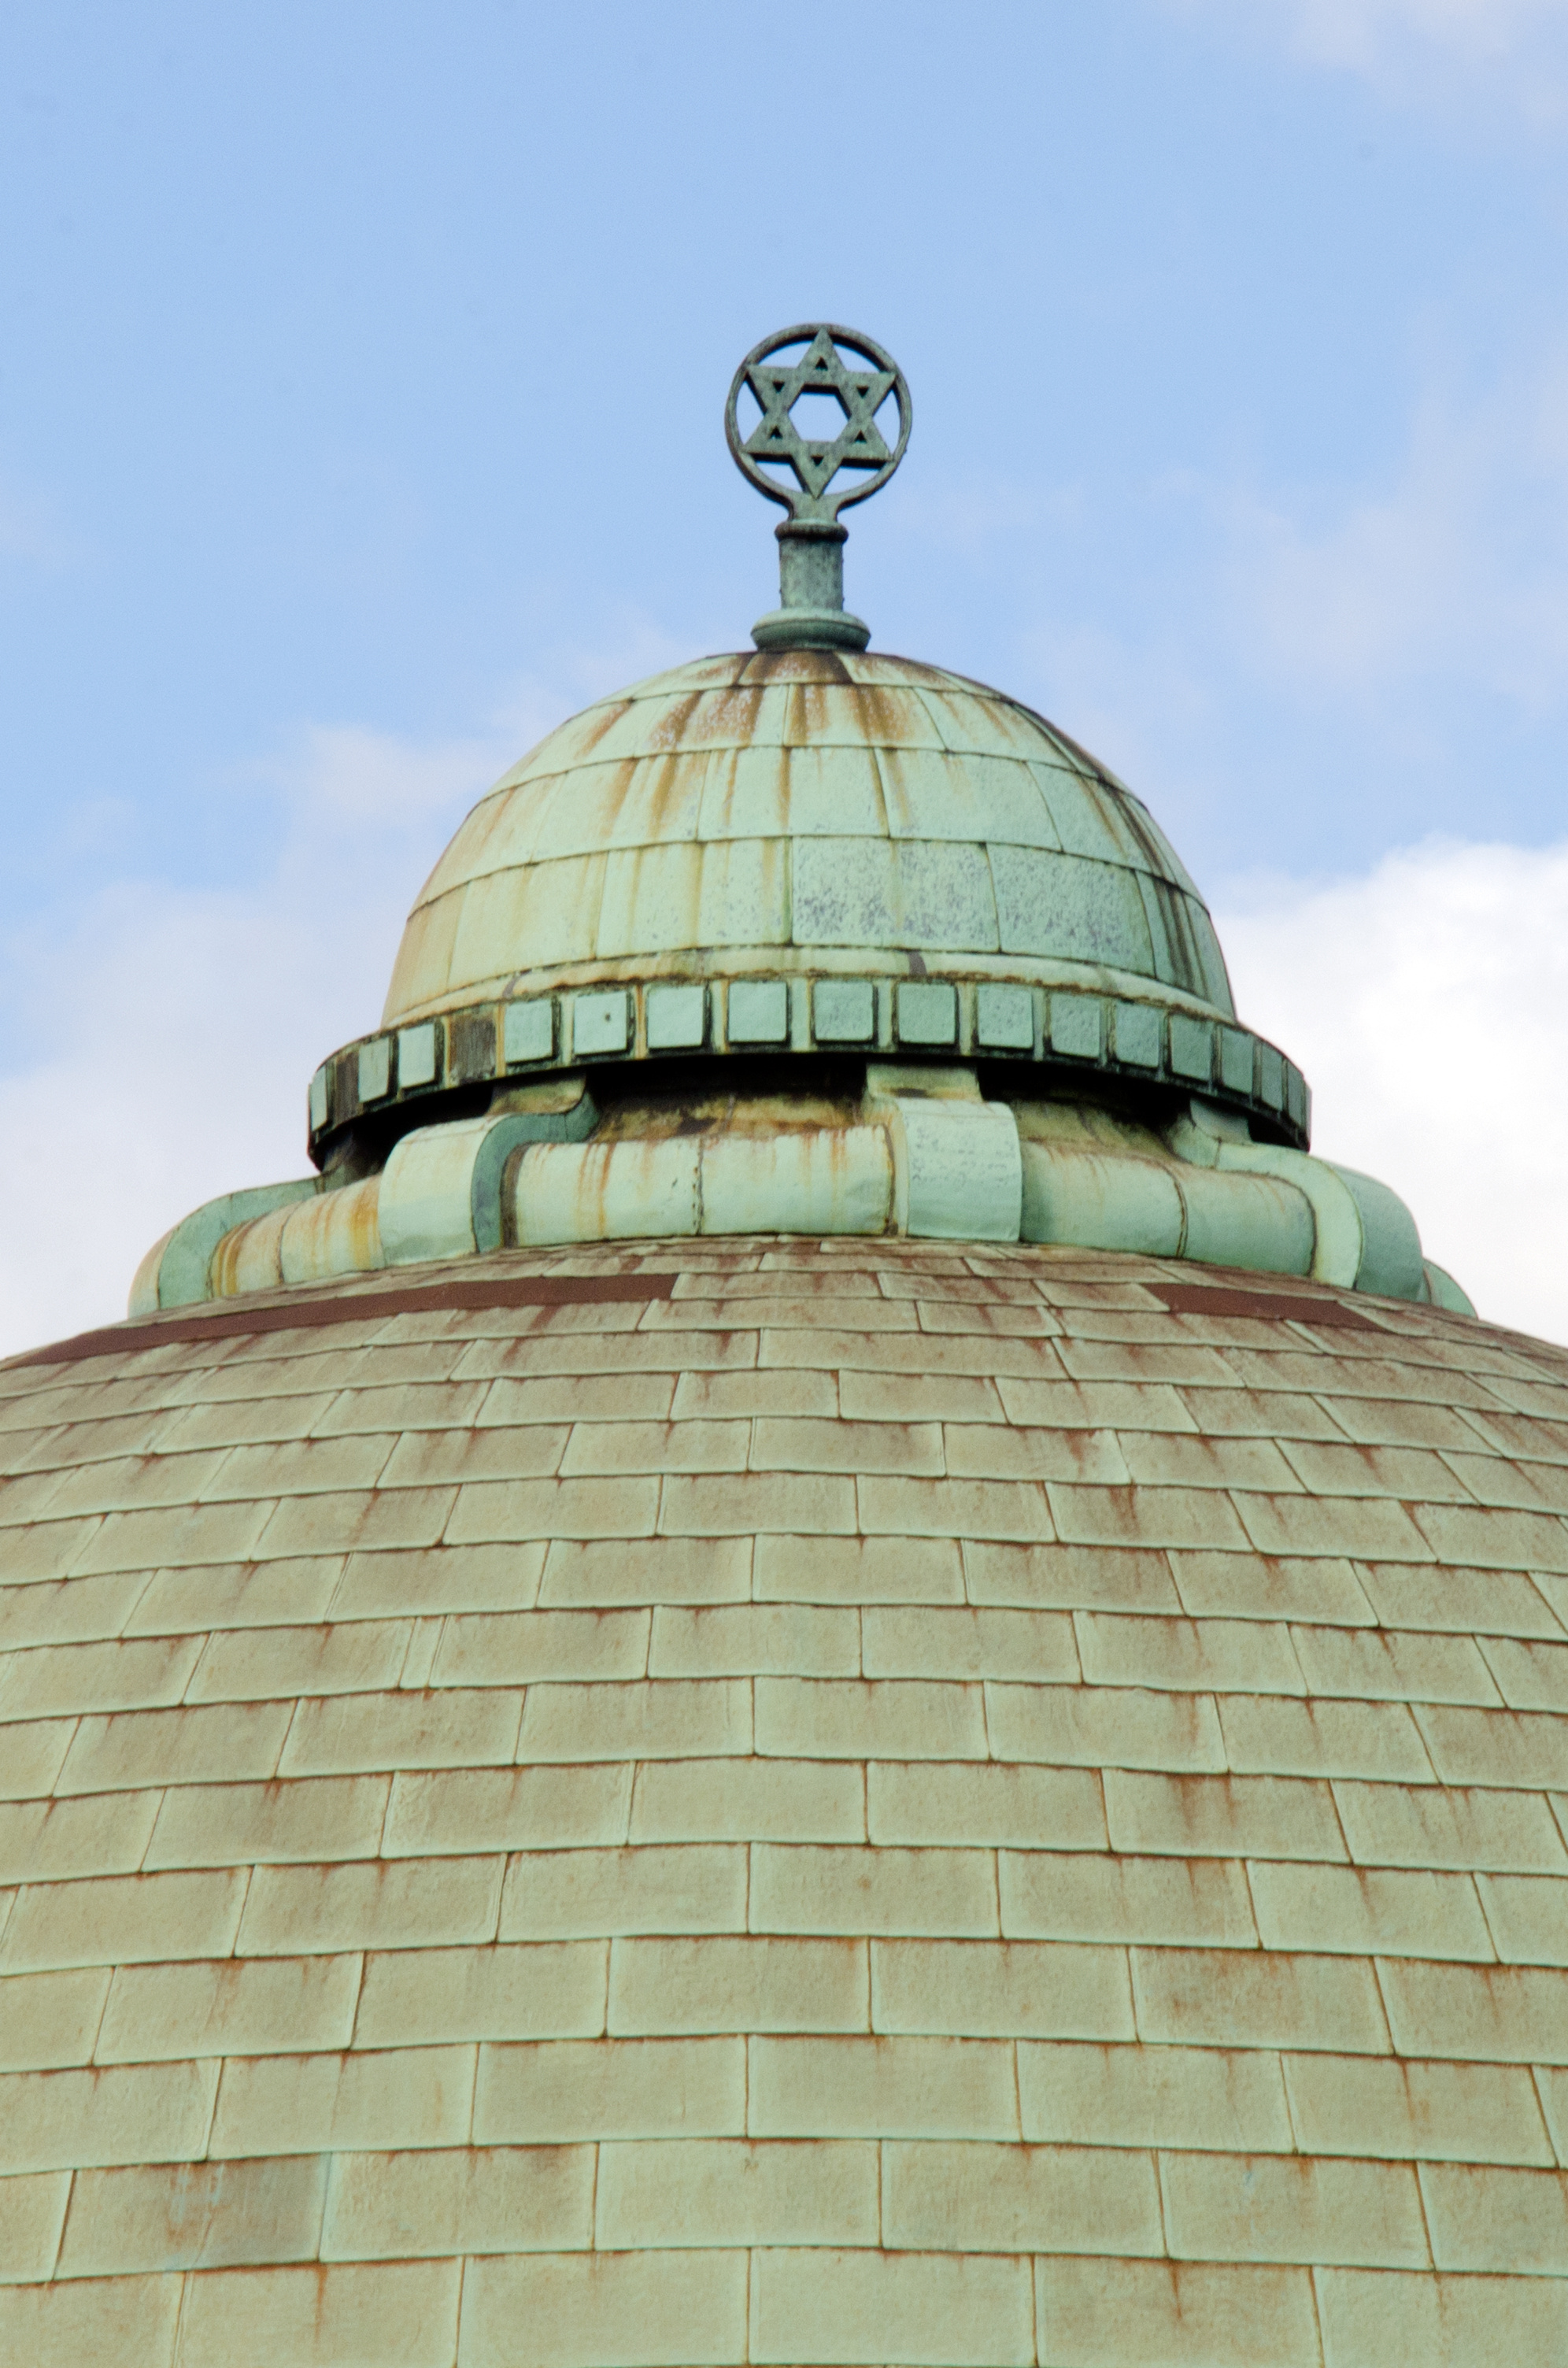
(825, 367)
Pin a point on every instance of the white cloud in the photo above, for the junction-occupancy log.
(30, 528)
(173, 1030)
(1460, 561)
(361, 781)
(176, 1028)
(1455, 56)
(1427, 1002)
(1363, 33)
(1408, 634)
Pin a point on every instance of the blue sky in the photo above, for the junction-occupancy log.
(360, 415)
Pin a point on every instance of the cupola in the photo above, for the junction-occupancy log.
(807, 939)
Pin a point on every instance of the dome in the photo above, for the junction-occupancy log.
(802, 851)
(820, 1658)
(790, 1804)
(796, 811)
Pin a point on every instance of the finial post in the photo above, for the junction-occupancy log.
(860, 376)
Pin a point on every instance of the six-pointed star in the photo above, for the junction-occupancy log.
(822, 370)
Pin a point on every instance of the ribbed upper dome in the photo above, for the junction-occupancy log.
(807, 809)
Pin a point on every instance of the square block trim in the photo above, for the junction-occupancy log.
(1191, 1047)
(1004, 1018)
(1137, 1032)
(844, 1010)
(1236, 1051)
(676, 1017)
(417, 1054)
(600, 1024)
(527, 1030)
(988, 1017)
(1077, 1026)
(927, 1012)
(375, 1068)
(760, 1011)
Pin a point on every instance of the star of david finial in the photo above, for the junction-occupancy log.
(815, 465)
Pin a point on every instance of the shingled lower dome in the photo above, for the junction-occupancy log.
(806, 810)
(754, 1803)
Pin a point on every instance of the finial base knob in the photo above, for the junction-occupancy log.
(810, 629)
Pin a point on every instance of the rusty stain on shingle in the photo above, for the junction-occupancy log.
(429, 2002)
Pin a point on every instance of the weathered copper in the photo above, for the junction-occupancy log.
(815, 460)
(809, 943)
(340, 1307)
(811, 612)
